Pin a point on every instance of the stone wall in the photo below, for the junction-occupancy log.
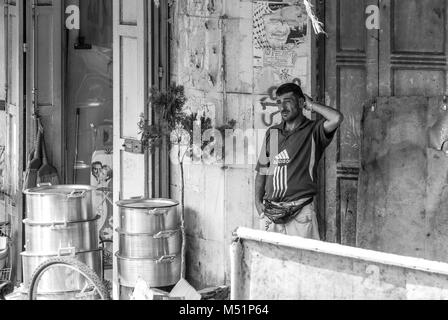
(213, 56)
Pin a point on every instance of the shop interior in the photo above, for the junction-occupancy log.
(89, 111)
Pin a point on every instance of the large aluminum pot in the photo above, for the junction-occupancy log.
(59, 279)
(63, 203)
(3, 257)
(150, 246)
(163, 272)
(148, 216)
(51, 237)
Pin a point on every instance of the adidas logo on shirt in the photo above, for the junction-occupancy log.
(280, 180)
(282, 159)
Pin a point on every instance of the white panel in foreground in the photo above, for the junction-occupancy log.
(274, 266)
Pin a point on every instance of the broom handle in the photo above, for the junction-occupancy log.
(32, 153)
(38, 142)
(44, 152)
(42, 146)
(76, 145)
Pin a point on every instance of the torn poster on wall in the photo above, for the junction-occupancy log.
(279, 25)
(281, 47)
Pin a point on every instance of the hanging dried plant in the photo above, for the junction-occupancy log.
(172, 123)
(317, 25)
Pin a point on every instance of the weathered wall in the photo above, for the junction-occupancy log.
(213, 57)
(402, 191)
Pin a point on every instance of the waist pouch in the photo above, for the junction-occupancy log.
(283, 215)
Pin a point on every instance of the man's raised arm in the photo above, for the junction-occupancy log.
(334, 117)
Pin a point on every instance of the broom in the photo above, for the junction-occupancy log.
(34, 162)
(47, 173)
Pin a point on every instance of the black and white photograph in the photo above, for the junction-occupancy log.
(223, 154)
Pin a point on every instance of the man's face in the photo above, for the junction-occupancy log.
(278, 25)
(291, 107)
(277, 30)
(96, 169)
(294, 16)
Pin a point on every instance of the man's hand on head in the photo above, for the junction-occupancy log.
(308, 103)
(334, 117)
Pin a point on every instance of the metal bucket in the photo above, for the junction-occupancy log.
(163, 272)
(150, 246)
(59, 279)
(63, 203)
(148, 216)
(50, 237)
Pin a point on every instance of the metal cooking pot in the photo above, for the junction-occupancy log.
(63, 203)
(163, 272)
(150, 246)
(59, 279)
(148, 216)
(3, 257)
(51, 237)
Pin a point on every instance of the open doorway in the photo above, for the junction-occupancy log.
(89, 111)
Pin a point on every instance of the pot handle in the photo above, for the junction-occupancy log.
(157, 212)
(27, 244)
(44, 184)
(59, 226)
(67, 252)
(77, 194)
(166, 259)
(166, 234)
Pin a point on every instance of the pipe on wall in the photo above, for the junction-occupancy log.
(236, 256)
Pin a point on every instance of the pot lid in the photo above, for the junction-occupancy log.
(147, 203)
(58, 190)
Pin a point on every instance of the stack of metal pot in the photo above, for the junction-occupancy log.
(60, 221)
(150, 242)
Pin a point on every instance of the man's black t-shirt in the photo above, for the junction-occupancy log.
(292, 169)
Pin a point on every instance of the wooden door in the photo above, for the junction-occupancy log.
(14, 125)
(3, 70)
(413, 48)
(3, 64)
(44, 76)
(407, 56)
(159, 43)
(130, 23)
(351, 78)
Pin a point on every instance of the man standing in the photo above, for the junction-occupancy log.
(286, 183)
